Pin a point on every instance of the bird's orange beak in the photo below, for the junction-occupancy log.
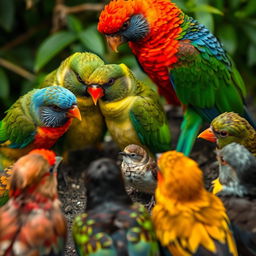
(208, 135)
(96, 92)
(115, 41)
(74, 112)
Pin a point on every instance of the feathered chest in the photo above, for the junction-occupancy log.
(47, 136)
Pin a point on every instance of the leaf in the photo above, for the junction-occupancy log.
(52, 46)
(92, 40)
(206, 19)
(251, 55)
(207, 8)
(228, 37)
(7, 14)
(5, 90)
(74, 24)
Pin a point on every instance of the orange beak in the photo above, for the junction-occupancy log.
(96, 92)
(74, 113)
(114, 42)
(208, 135)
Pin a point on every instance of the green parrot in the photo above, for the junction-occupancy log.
(225, 129)
(73, 74)
(132, 110)
(230, 127)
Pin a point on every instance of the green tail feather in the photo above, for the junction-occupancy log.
(189, 131)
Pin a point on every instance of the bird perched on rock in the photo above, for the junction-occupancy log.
(112, 224)
(139, 169)
(230, 127)
(132, 110)
(181, 56)
(73, 74)
(238, 178)
(227, 128)
(36, 120)
(31, 223)
(188, 219)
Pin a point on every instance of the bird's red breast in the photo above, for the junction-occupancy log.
(46, 137)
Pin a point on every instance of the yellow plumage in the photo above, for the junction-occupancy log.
(186, 216)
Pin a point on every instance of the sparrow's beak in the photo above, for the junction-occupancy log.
(115, 41)
(208, 135)
(122, 154)
(96, 92)
(74, 113)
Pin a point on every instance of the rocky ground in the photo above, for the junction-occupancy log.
(71, 180)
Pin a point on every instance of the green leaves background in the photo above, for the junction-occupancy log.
(35, 36)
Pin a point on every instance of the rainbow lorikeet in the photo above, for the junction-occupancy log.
(188, 219)
(131, 109)
(31, 222)
(238, 177)
(36, 120)
(181, 56)
(139, 169)
(73, 74)
(112, 224)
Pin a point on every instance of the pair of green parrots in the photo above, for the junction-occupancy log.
(109, 96)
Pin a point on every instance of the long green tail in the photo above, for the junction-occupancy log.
(189, 131)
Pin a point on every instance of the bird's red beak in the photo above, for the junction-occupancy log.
(208, 135)
(114, 42)
(74, 113)
(96, 92)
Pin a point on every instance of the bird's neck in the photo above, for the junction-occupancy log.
(47, 136)
(165, 20)
(42, 192)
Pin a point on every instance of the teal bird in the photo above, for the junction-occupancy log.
(112, 225)
(132, 110)
(73, 74)
(36, 120)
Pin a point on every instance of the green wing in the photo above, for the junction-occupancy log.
(206, 83)
(18, 126)
(150, 123)
(89, 242)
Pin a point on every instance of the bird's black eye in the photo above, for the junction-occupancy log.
(56, 108)
(79, 79)
(111, 81)
(51, 169)
(125, 25)
(133, 154)
(223, 134)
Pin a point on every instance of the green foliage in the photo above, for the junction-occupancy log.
(28, 41)
(52, 46)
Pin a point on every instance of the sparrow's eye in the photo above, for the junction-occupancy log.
(133, 154)
(125, 25)
(223, 134)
